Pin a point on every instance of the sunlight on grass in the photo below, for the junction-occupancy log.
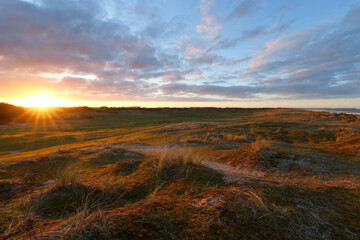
(134, 174)
(172, 157)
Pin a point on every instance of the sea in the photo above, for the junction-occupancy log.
(335, 110)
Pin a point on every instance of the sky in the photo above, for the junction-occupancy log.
(189, 53)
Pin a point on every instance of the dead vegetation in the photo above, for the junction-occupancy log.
(255, 154)
(347, 143)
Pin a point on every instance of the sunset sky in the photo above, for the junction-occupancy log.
(226, 53)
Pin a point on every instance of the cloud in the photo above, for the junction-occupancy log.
(160, 30)
(245, 8)
(203, 58)
(251, 34)
(265, 29)
(209, 26)
(53, 37)
(89, 52)
(288, 6)
(190, 46)
(329, 44)
(209, 90)
(323, 61)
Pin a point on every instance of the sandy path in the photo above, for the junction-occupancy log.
(247, 175)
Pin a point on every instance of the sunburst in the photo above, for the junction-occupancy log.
(40, 101)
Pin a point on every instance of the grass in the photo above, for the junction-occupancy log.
(256, 197)
(259, 145)
(176, 157)
(65, 200)
(68, 175)
(182, 174)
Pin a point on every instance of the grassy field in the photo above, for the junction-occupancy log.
(181, 174)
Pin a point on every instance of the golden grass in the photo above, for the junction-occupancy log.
(69, 175)
(175, 195)
(216, 138)
(235, 138)
(256, 196)
(173, 157)
(260, 144)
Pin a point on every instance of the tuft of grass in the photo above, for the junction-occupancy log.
(257, 198)
(184, 163)
(259, 145)
(68, 175)
(177, 157)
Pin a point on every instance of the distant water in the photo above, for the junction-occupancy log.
(335, 110)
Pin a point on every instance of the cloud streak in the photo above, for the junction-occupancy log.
(244, 9)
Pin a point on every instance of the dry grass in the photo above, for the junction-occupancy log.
(216, 138)
(235, 138)
(259, 145)
(256, 196)
(347, 143)
(22, 223)
(80, 226)
(120, 193)
(175, 157)
(254, 155)
(69, 175)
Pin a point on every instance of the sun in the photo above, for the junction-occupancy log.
(40, 101)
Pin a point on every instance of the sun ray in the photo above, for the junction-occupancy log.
(40, 112)
(50, 113)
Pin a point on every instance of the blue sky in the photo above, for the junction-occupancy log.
(182, 53)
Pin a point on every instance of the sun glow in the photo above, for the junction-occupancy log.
(41, 101)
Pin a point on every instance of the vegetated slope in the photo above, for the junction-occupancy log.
(9, 112)
(265, 174)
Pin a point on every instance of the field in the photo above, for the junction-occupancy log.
(197, 173)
